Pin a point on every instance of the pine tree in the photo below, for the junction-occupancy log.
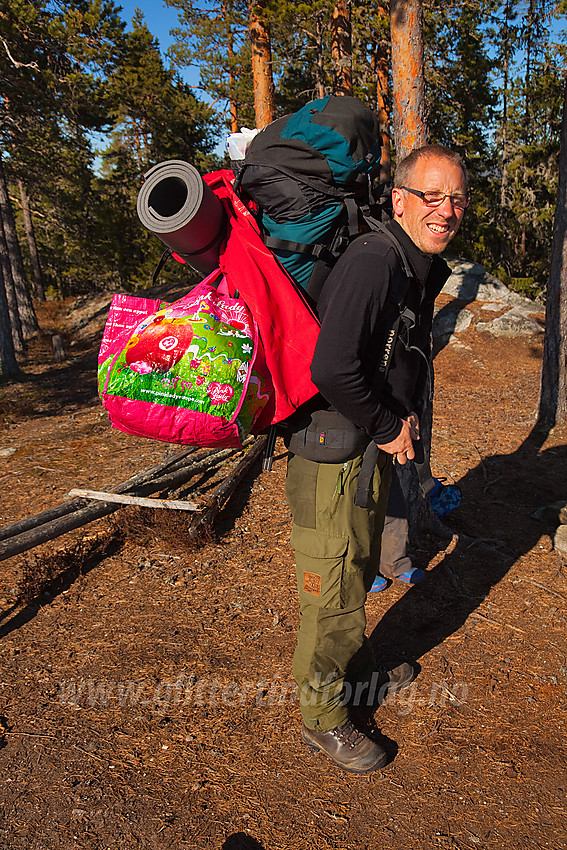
(25, 308)
(53, 63)
(8, 362)
(32, 244)
(261, 53)
(408, 89)
(155, 117)
(341, 48)
(533, 132)
(214, 37)
(553, 397)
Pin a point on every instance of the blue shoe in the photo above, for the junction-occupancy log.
(380, 583)
(444, 498)
(413, 576)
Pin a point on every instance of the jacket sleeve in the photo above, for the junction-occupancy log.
(346, 357)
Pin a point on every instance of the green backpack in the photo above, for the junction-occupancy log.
(311, 174)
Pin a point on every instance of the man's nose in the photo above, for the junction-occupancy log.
(447, 207)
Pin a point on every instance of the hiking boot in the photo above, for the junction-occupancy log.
(347, 747)
(374, 688)
(398, 677)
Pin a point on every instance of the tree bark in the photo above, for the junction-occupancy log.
(341, 48)
(26, 310)
(380, 69)
(231, 78)
(8, 360)
(409, 105)
(32, 244)
(320, 65)
(410, 132)
(553, 395)
(10, 292)
(261, 64)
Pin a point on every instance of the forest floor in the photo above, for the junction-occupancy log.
(146, 691)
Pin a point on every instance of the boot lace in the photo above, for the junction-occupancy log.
(348, 734)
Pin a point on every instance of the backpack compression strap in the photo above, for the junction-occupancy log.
(328, 254)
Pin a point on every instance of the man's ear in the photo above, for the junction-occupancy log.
(397, 201)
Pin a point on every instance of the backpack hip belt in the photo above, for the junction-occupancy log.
(328, 437)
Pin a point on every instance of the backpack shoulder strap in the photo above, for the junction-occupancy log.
(403, 317)
(378, 227)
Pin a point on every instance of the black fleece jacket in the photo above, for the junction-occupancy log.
(355, 315)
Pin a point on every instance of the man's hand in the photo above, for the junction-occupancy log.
(402, 446)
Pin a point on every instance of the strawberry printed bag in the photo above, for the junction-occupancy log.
(189, 372)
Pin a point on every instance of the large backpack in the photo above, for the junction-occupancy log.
(312, 176)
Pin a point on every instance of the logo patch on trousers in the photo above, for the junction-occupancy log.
(312, 583)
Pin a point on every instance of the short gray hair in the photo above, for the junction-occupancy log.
(404, 170)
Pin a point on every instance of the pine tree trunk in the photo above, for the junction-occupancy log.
(261, 65)
(380, 70)
(26, 310)
(409, 105)
(32, 244)
(320, 66)
(341, 48)
(8, 362)
(410, 132)
(231, 81)
(504, 166)
(10, 292)
(553, 396)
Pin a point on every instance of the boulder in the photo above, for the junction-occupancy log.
(471, 282)
(560, 542)
(449, 320)
(515, 322)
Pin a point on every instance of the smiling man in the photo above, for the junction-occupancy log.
(364, 417)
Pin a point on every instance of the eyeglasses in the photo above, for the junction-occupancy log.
(435, 199)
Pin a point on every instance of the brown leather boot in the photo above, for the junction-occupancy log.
(373, 689)
(347, 747)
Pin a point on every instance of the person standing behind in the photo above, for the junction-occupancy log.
(337, 542)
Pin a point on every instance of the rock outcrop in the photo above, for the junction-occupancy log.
(470, 282)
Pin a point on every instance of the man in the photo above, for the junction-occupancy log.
(337, 542)
(395, 563)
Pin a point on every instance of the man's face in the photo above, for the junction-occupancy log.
(430, 228)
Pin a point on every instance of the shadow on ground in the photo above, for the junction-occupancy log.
(499, 497)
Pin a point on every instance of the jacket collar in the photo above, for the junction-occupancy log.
(424, 265)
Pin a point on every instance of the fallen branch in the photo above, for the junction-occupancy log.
(22, 525)
(225, 490)
(80, 512)
(120, 499)
(180, 475)
(547, 589)
(495, 622)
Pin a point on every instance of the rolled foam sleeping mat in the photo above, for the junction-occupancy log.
(179, 208)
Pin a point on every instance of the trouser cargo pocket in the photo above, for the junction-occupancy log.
(320, 565)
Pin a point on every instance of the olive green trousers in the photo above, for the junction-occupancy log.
(337, 551)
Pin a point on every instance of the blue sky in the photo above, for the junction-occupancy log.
(160, 20)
